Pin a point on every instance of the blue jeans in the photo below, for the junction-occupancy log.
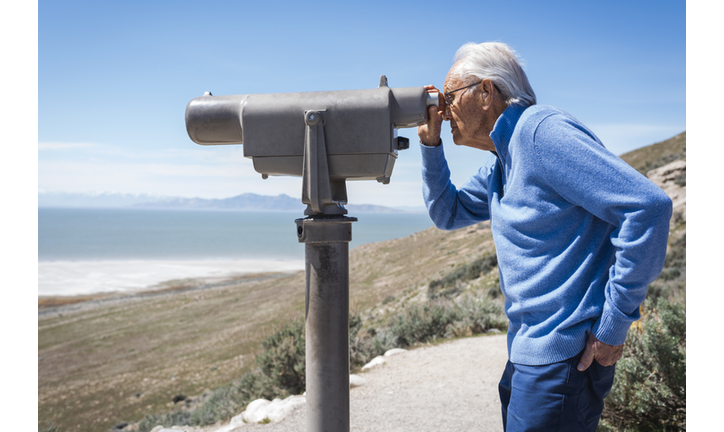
(554, 397)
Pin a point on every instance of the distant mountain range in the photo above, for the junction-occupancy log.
(248, 201)
(244, 202)
(98, 200)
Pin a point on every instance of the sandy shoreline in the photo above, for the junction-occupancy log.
(58, 304)
(98, 277)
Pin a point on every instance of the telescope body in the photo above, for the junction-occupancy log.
(359, 128)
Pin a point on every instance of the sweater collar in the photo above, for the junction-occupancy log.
(504, 126)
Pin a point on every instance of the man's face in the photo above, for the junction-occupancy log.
(468, 117)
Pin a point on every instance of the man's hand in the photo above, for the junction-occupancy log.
(429, 133)
(604, 354)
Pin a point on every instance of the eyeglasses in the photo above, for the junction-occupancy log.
(449, 100)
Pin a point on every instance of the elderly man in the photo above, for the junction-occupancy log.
(579, 235)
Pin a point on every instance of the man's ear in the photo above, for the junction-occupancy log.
(487, 95)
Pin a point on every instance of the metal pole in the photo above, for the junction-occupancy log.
(326, 241)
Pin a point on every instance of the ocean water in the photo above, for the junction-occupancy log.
(83, 251)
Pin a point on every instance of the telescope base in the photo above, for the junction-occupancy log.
(326, 241)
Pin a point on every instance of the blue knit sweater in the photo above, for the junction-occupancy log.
(579, 234)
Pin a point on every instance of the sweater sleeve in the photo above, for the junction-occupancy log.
(450, 208)
(579, 168)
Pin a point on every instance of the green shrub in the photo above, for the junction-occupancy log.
(422, 323)
(649, 391)
(227, 401)
(664, 160)
(481, 266)
(50, 427)
(680, 180)
(282, 359)
(450, 284)
(223, 403)
(671, 284)
(255, 385)
(445, 318)
(165, 419)
(480, 315)
(366, 343)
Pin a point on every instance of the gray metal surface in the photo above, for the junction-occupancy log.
(360, 127)
(319, 192)
(327, 320)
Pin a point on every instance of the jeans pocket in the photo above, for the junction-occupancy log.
(595, 386)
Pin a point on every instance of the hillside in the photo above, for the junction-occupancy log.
(109, 360)
(657, 155)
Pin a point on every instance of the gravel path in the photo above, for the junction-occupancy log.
(451, 386)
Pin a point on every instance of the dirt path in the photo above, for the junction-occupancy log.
(451, 386)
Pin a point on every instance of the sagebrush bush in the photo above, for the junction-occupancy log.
(445, 318)
(227, 401)
(422, 323)
(663, 160)
(165, 419)
(671, 284)
(479, 315)
(450, 284)
(366, 344)
(649, 390)
(282, 358)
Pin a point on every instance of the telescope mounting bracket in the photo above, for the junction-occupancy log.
(322, 195)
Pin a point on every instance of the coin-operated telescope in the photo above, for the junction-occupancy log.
(325, 137)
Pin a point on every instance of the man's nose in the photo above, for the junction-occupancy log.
(446, 114)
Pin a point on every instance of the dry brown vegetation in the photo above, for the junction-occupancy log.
(656, 155)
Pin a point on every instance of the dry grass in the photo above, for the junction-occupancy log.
(121, 361)
(659, 154)
(116, 361)
(399, 266)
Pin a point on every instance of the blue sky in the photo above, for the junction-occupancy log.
(114, 79)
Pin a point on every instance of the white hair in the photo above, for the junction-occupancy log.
(499, 63)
